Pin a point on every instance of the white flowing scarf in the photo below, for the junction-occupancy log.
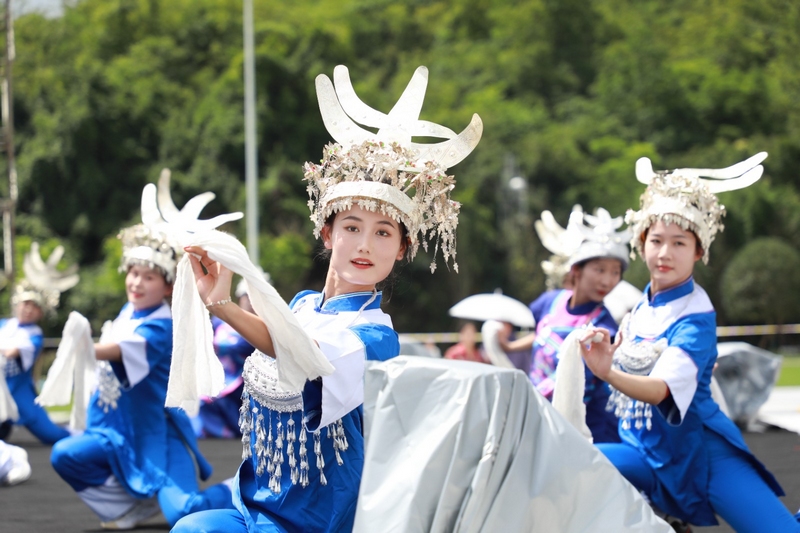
(196, 370)
(73, 370)
(571, 383)
(8, 407)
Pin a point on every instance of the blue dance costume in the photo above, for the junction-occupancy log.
(306, 450)
(555, 319)
(28, 339)
(219, 417)
(134, 448)
(684, 453)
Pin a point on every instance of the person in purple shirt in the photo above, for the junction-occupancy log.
(595, 267)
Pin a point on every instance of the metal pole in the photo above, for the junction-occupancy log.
(251, 169)
(8, 123)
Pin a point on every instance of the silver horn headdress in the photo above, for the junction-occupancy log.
(155, 242)
(561, 242)
(386, 171)
(687, 197)
(585, 237)
(43, 282)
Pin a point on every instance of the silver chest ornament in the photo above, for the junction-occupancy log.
(636, 358)
(260, 376)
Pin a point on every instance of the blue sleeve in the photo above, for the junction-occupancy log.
(541, 305)
(158, 347)
(38, 344)
(299, 296)
(695, 335)
(381, 342)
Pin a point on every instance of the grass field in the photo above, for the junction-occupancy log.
(790, 372)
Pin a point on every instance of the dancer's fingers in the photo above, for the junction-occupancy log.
(197, 270)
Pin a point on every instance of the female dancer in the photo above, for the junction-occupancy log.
(677, 446)
(135, 457)
(596, 258)
(367, 222)
(21, 338)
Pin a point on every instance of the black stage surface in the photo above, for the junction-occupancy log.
(45, 504)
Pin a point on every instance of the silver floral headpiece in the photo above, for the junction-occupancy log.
(385, 171)
(560, 242)
(601, 239)
(684, 198)
(43, 282)
(156, 242)
(585, 237)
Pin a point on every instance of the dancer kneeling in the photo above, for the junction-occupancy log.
(21, 339)
(135, 457)
(304, 446)
(677, 446)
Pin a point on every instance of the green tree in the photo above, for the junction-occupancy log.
(758, 279)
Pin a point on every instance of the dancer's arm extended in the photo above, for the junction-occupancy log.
(214, 285)
(598, 357)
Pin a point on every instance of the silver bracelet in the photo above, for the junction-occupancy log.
(221, 302)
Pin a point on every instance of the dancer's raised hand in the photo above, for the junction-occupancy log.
(213, 279)
(598, 350)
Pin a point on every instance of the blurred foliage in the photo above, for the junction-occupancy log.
(571, 94)
(758, 279)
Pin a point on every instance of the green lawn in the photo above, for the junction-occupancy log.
(790, 372)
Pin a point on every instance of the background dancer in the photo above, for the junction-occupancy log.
(367, 222)
(597, 259)
(678, 447)
(135, 457)
(21, 339)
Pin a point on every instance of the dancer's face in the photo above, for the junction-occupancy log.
(364, 246)
(670, 253)
(595, 279)
(146, 287)
(28, 312)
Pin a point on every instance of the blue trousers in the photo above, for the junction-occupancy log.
(736, 491)
(82, 462)
(222, 521)
(34, 417)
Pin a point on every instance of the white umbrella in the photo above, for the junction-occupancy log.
(494, 306)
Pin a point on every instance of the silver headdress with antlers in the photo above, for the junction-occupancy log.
(378, 171)
(585, 237)
(687, 197)
(601, 239)
(155, 242)
(560, 242)
(43, 282)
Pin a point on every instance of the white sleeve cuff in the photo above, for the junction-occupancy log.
(343, 390)
(679, 372)
(134, 358)
(27, 355)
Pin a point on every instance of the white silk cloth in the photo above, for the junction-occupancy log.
(196, 370)
(491, 344)
(455, 446)
(8, 407)
(571, 383)
(72, 371)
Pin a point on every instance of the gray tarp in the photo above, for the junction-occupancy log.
(460, 446)
(746, 375)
